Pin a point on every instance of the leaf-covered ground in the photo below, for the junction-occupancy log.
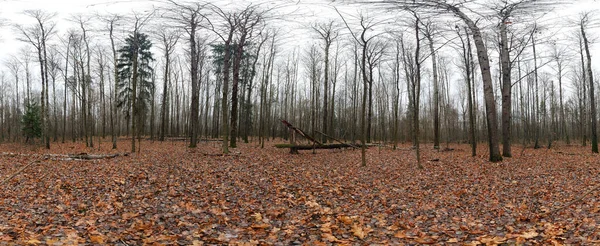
(170, 194)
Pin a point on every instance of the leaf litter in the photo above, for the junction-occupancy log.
(168, 195)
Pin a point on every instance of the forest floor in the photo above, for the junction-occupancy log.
(172, 195)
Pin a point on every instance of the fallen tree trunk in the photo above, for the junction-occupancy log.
(299, 131)
(68, 157)
(310, 147)
(85, 156)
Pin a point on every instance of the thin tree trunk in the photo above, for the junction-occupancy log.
(506, 91)
(590, 78)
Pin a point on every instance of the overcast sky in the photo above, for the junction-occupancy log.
(298, 13)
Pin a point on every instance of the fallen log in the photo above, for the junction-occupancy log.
(310, 147)
(67, 157)
(85, 156)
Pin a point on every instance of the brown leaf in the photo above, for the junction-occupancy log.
(490, 241)
(402, 234)
(530, 234)
(257, 217)
(127, 216)
(98, 239)
(452, 240)
(345, 219)
(5, 238)
(359, 232)
(33, 242)
(425, 240)
(329, 237)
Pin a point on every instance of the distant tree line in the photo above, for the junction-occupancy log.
(202, 71)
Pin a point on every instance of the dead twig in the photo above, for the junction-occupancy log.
(17, 172)
(578, 199)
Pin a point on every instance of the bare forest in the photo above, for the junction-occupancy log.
(453, 122)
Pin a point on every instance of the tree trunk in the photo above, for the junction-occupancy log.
(590, 78)
(506, 91)
(113, 120)
(134, 106)
(436, 95)
(224, 107)
(537, 110)
(163, 108)
(237, 60)
(326, 90)
(195, 93)
(468, 67)
(488, 90)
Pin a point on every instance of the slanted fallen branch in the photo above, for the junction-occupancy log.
(299, 131)
(337, 140)
(18, 171)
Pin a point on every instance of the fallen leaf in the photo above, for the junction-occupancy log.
(32, 242)
(530, 234)
(425, 240)
(401, 235)
(127, 216)
(452, 240)
(488, 240)
(329, 237)
(6, 238)
(345, 219)
(359, 232)
(97, 239)
(257, 217)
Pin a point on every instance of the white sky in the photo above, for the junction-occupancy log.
(297, 12)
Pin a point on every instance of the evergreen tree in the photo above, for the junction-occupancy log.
(32, 121)
(145, 84)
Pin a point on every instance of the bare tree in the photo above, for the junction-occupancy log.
(482, 54)
(558, 55)
(411, 58)
(14, 65)
(65, 73)
(467, 58)
(429, 31)
(505, 10)
(86, 79)
(189, 17)
(328, 34)
(246, 21)
(228, 26)
(169, 39)
(111, 23)
(363, 40)
(585, 19)
(38, 35)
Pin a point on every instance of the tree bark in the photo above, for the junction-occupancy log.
(193, 129)
(506, 90)
(488, 90)
(590, 77)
